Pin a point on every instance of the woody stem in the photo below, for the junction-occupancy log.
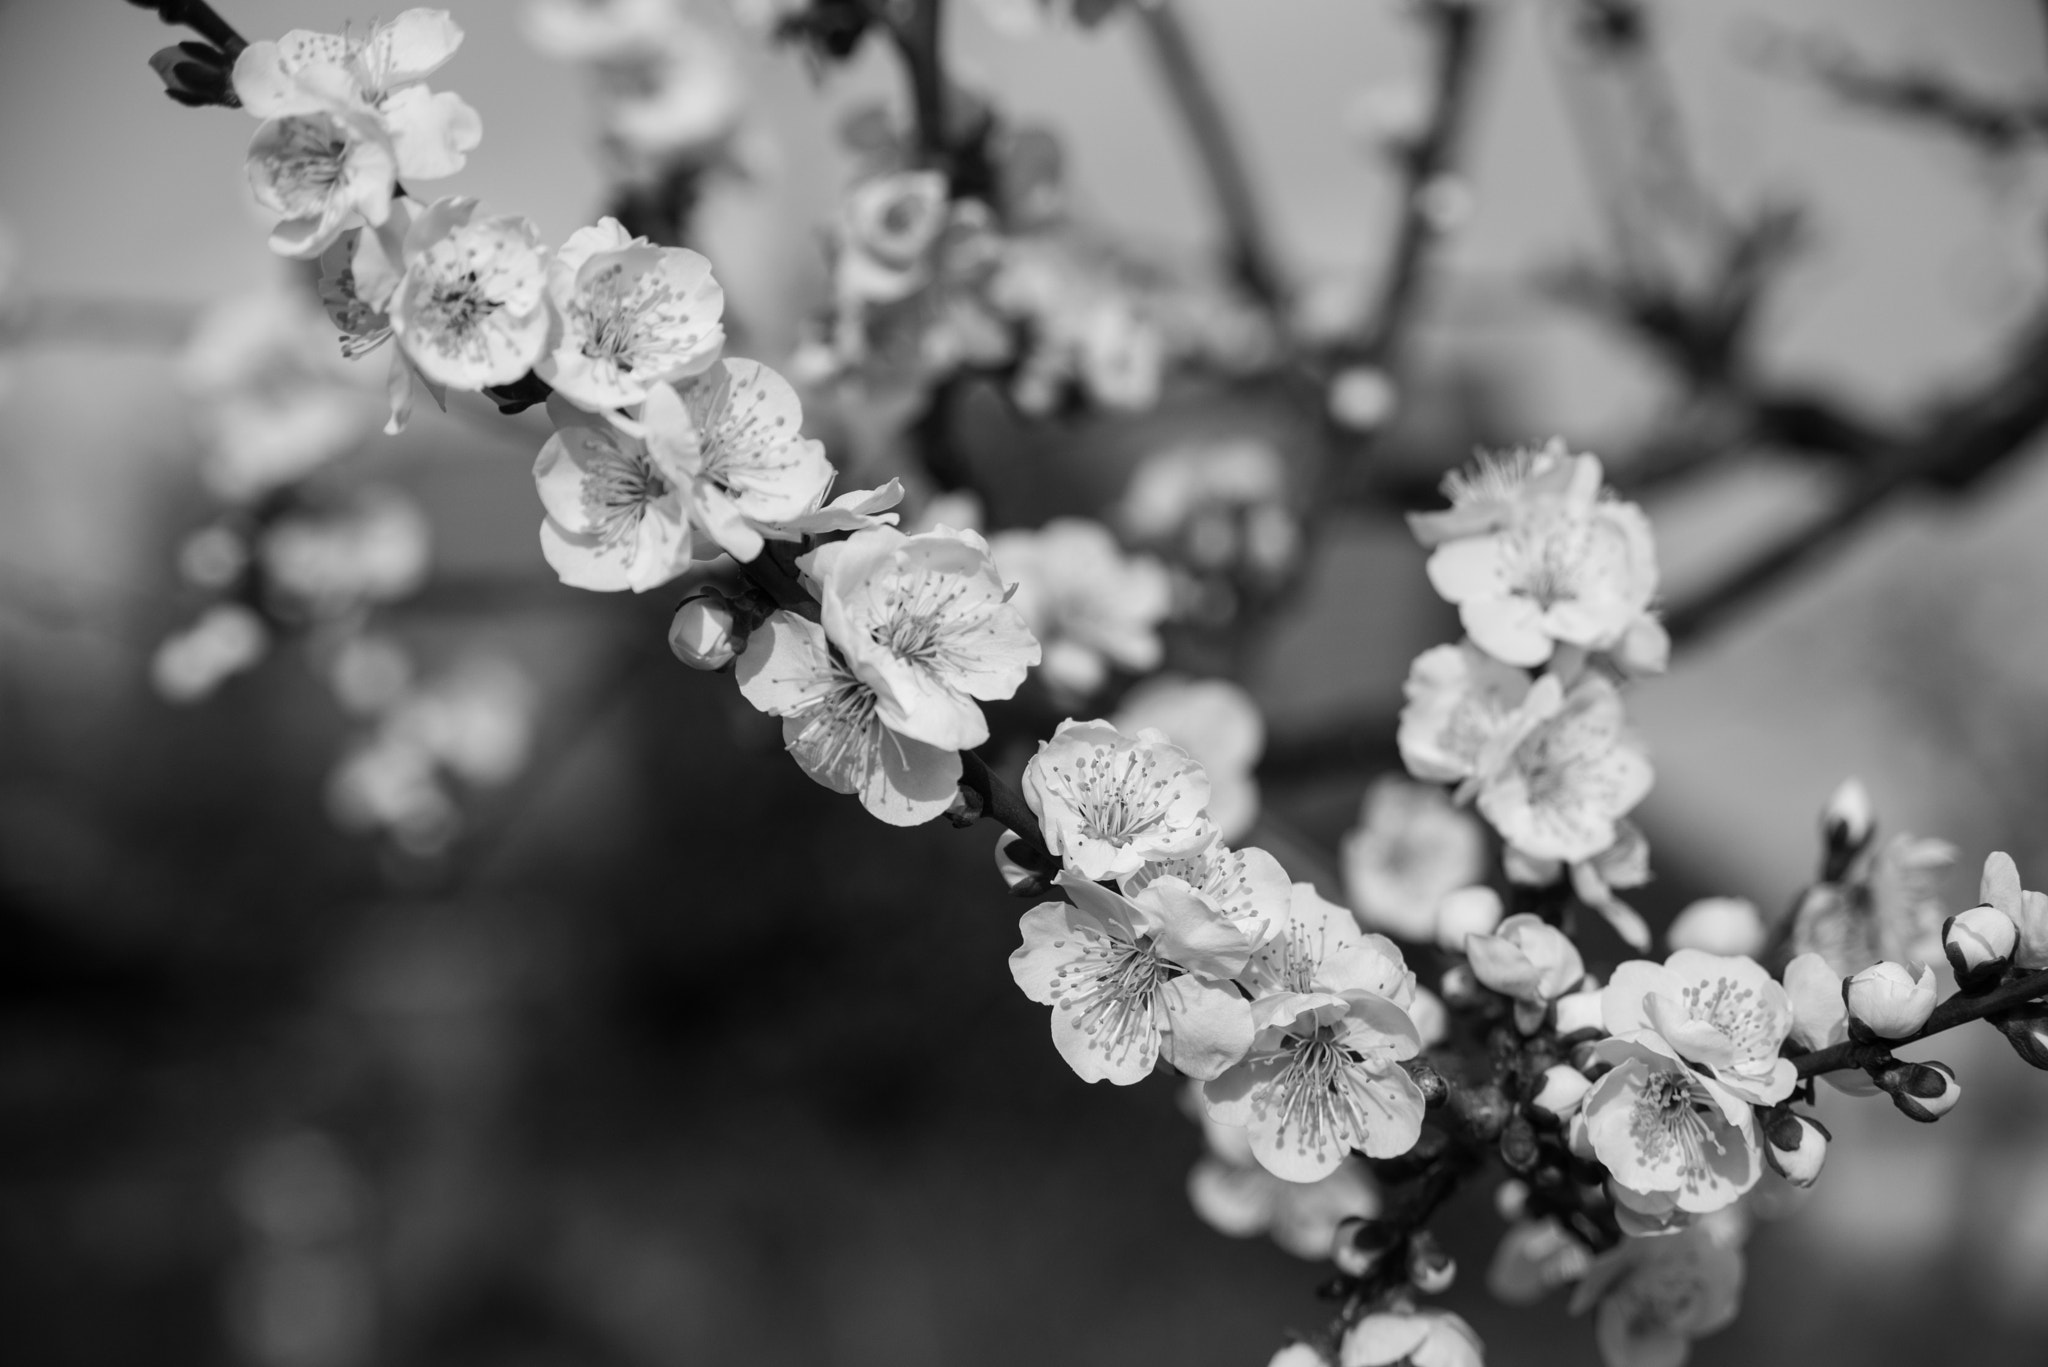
(1957, 1010)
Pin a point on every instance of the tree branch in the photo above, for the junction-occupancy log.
(1957, 1010)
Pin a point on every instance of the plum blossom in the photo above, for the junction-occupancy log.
(347, 118)
(1418, 1338)
(1135, 979)
(1248, 886)
(1821, 1018)
(832, 727)
(1559, 571)
(1655, 1296)
(1561, 792)
(1721, 1013)
(1108, 803)
(1217, 722)
(615, 517)
(2027, 910)
(1533, 1259)
(358, 273)
(1410, 849)
(471, 308)
(1500, 488)
(632, 316)
(1889, 999)
(925, 622)
(1090, 605)
(1719, 925)
(1667, 1132)
(1529, 960)
(1324, 1074)
(1466, 710)
(1237, 1197)
(1887, 906)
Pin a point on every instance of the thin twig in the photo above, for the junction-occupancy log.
(1248, 242)
(1957, 1010)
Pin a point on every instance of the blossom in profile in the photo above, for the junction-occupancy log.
(1410, 849)
(1108, 803)
(1323, 1076)
(1665, 1130)
(1722, 1013)
(1466, 711)
(1652, 1297)
(926, 623)
(1501, 488)
(471, 308)
(853, 511)
(346, 119)
(1889, 999)
(832, 727)
(1135, 979)
(615, 517)
(1237, 1197)
(1562, 791)
(633, 316)
(1092, 606)
(1217, 722)
(1419, 1338)
(1529, 960)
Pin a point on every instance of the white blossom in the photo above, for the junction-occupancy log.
(1108, 804)
(1561, 792)
(1655, 1296)
(1410, 849)
(471, 308)
(1091, 605)
(1217, 722)
(1666, 1131)
(1722, 1013)
(1528, 960)
(1414, 1337)
(632, 316)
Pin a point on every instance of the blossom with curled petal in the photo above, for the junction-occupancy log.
(1415, 1337)
(1135, 979)
(615, 512)
(925, 622)
(1654, 1296)
(1410, 849)
(1721, 1012)
(1217, 722)
(1465, 709)
(632, 316)
(1324, 1074)
(471, 307)
(1249, 886)
(1665, 1130)
(832, 724)
(1235, 1196)
(1563, 789)
(1090, 605)
(1530, 960)
(1108, 803)
(853, 511)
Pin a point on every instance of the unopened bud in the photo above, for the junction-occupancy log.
(1888, 999)
(1511, 1199)
(1430, 1268)
(1429, 1082)
(1846, 825)
(1558, 1096)
(1460, 987)
(1519, 1148)
(2026, 1029)
(1359, 1244)
(197, 75)
(966, 808)
(1979, 944)
(1796, 1146)
(1020, 877)
(1924, 1091)
(703, 633)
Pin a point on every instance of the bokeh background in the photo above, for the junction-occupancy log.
(676, 1058)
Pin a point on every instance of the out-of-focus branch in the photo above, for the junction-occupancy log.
(1248, 243)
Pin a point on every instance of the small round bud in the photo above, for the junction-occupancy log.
(2026, 1029)
(1021, 879)
(1519, 1148)
(1888, 999)
(1559, 1093)
(1979, 944)
(1924, 1091)
(1511, 1199)
(1460, 987)
(1359, 1244)
(1362, 398)
(1846, 825)
(1430, 1082)
(1796, 1146)
(703, 633)
(1719, 925)
(1430, 1269)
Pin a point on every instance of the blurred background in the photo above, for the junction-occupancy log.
(628, 1044)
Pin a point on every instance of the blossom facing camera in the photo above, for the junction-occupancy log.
(1979, 944)
(1924, 1091)
(1109, 803)
(632, 316)
(1719, 1012)
(1889, 999)
(1669, 1134)
(1090, 605)
(1411, 851)
(471, 309)
(1427, 1338)
(703, 633)
(1796, 1146)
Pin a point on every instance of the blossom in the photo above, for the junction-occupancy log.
(1820, 1017)
(633, 316)
(1979, 943)
(703, 634)
(1501, 487)
(347, 118)
(471, 308)
(853, 511)
(1237, 1197)
(1248, 886)
(2027, 910)
(1655, 1296)
(1562, 791)
(1887, 906)
(614, 511)
(1108, 803)
(1090, 605)
(1324, 1074)
(1796, 1146)
(1421, 1338)
(732, 438)
(358, 273)
(1410, 849)
(1465, 709)
(1665, 1130)
(831, 724)
(1529, 960)
(1723, 1013)
(1889, 999)
(1560, 571)
(925, 623)
(1217, 722)
(1719, 925)
(1134, 979)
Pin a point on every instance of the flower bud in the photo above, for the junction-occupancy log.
(1796, 1146)
(2026, 1029)
(1511, 1199)
(1924, 1091)
(1358, 1244)
(1979, 944)
(1021, 879)
(1435, 1091)
(966, 808)
(1430, 1268)
(1459, 986)
(1467, 911)
(1846, 825)
(1558, 1096)
(1888, 999)
(1577, 1012)
(1719, 925)
(703, 634)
